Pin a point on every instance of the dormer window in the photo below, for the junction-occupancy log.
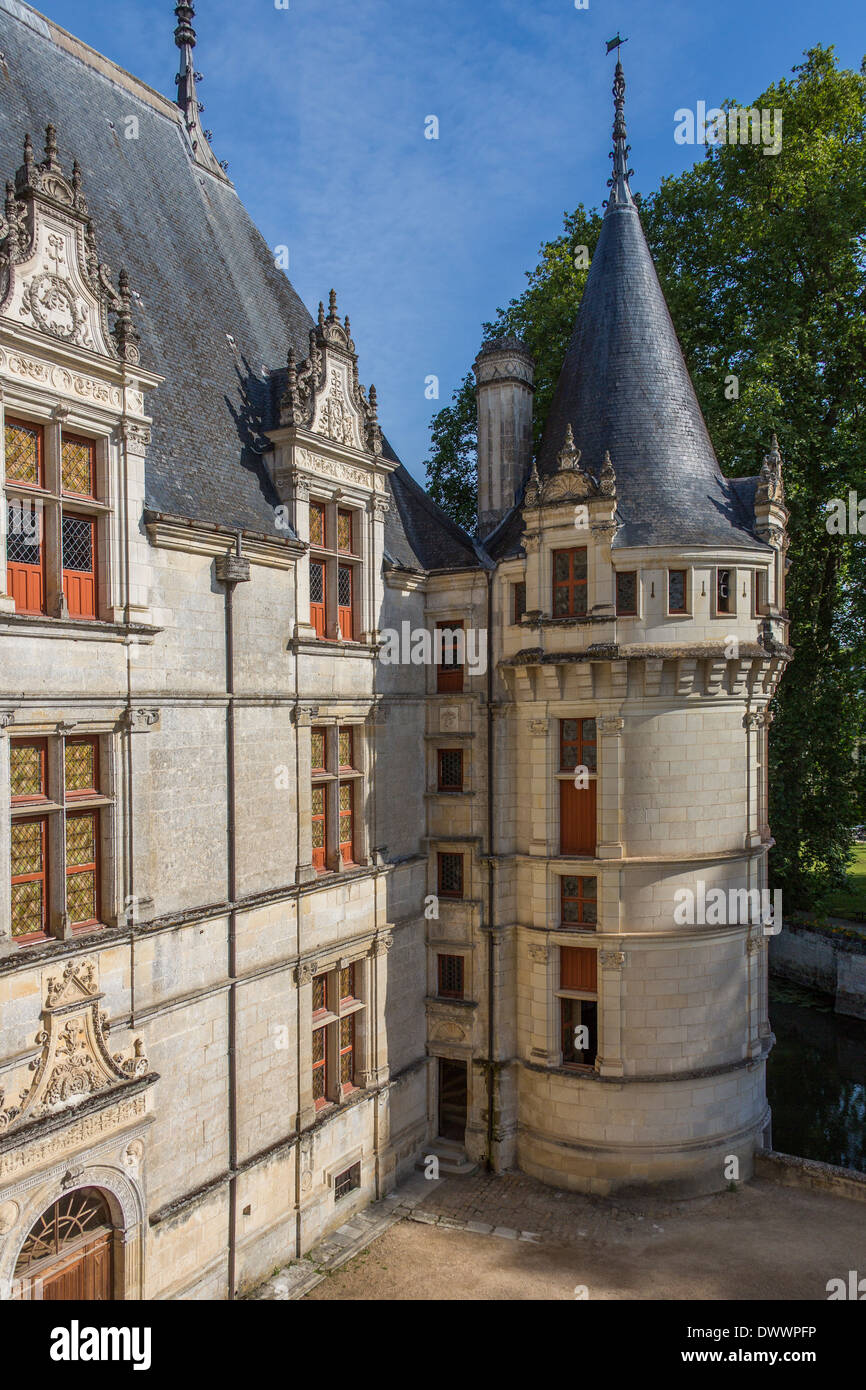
(52, 537)
(333, 561)
(569, 583)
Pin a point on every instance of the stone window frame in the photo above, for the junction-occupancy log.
(733, 580)
(333, 559)
(332, 778)
(329, 1020)
(636, 612)
(53, 502)
(688, 591)
(761, 600)
(575, 586)
(437, 783)
(56, 810)
(561, 993)
(450, 955)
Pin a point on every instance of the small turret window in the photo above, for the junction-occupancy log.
(724, 591)
(677, 591)
(626, 593)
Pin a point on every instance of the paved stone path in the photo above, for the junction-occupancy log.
(295, 1280)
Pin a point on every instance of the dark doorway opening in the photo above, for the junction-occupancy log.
(452, 1099)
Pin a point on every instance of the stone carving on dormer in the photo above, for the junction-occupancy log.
(51, 278)
(75, 1061)
(770, 485)
(323, 393)
(570, 483)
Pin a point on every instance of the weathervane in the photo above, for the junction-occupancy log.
(615, 43)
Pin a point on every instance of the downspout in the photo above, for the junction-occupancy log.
(129, 907)
(232, 570)
(491, 964)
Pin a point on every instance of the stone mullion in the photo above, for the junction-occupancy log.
(542, 787)
(304, 871)
(304, 981)
(7, 603)
(52, 540)
(610, 787)
(378, 1069)
(610, 1011)
(375, 583)
(6, 719)
(299, 499)
(57, 917)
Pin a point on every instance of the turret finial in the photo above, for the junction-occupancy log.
(620, 195)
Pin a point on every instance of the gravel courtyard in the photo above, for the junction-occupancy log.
(762, 1242)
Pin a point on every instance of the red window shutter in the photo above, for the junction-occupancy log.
(578, 968)
(79, 565)
(320, 825)
(317, 597)
(27, 588)
(449, 676)
(577, 819)
(347, 818)
(345, 587)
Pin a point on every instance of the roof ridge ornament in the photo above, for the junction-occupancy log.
(771, 488)
(187, 95)
(569, 455)
(621, 194)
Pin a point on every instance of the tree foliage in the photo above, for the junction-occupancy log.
(763, 263)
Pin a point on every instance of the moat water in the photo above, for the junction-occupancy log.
(816, 1078)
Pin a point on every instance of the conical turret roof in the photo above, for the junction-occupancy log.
(624, 387)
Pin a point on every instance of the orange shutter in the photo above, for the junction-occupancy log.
(317, 597)
(577, 819)
(578, 968)
(26, 587)
(344, 602)
(79, 565)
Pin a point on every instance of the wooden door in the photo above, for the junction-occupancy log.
(83, 1275)
(452, 1099)
(577, 818)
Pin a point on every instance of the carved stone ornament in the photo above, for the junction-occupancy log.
(305, 972)
(570, 483)
(770, 485)
(324, 394)
(612, 960)
(7, 717)
(51, 278)
(141, 720)
(610, 724)
(75, 1061)
(539, 954)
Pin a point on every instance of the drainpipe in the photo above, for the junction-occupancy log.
(231, 570)
(491, 964)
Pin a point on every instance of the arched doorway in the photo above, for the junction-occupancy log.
(68, 1252)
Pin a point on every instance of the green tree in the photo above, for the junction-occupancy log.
(763, 262)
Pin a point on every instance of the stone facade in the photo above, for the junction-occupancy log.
(324, 915)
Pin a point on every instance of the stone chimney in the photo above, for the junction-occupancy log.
(504, 373)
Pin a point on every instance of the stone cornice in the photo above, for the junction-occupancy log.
(203, 538)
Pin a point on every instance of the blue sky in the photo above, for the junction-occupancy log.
(320, 110)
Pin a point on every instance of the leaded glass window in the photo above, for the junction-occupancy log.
(23, 453)
(77, 462)
(80, 766)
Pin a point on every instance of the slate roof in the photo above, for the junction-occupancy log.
(625, 387)
(214, 310)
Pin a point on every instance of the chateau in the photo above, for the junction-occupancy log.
(278, 916)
